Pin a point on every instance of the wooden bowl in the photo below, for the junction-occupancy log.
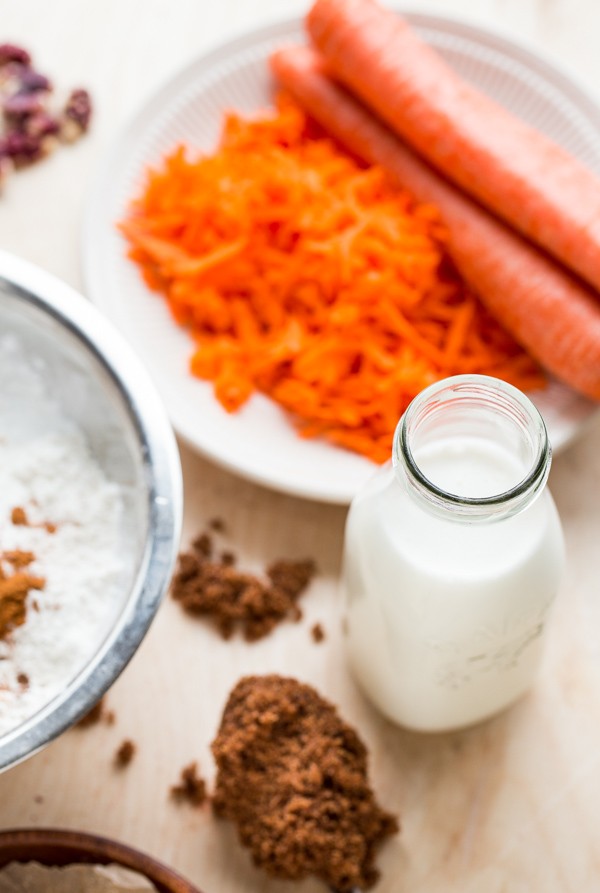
(54, 847)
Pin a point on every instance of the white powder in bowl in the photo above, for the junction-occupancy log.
(46, 468)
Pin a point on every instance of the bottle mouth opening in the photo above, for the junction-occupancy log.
(475, 405)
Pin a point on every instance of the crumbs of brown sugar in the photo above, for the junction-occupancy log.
(125, 754)
(209, 584)
(191, 787)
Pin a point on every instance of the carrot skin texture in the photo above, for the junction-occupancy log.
(554, 316)
(513, 169)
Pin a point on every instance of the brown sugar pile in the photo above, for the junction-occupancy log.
(15, 585)
(191, 787)
(292, 776)
(213, 587)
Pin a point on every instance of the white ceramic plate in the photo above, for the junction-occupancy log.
(259, 442)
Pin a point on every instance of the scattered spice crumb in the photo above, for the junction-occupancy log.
(191, 788)
(125, 754)
(18, 557)
(97, 714)
(292, 776)
(38, 798)
(213, 588)
(18, 516)
(23, 680)
(217, 524)
(92, 717)
(318, 633)
(203, 545)
(15, 587)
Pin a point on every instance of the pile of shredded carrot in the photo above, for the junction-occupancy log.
(311, 279)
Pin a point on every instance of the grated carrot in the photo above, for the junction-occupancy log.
(303, 275)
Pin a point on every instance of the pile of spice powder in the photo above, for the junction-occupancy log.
(292, 777)
(212, 587)
(58, 509)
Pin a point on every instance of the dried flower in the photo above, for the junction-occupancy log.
(22, 148)
(20, 106)
(76, 116)
(6, 168)
(42, 124)
(29, 130)
(9, 52)
(32, 81)
(10, 78)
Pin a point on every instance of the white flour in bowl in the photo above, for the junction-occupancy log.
(47, 469)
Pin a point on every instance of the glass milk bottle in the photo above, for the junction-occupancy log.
(453, 556)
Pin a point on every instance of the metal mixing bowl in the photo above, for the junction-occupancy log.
(102, 386)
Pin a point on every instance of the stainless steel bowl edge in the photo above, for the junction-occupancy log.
(165, 501)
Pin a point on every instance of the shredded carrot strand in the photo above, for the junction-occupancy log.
(314, 280)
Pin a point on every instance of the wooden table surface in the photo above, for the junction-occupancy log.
(513, 805)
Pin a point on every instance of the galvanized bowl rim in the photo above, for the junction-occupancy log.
(164, 492)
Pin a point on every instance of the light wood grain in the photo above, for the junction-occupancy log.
(513, 805)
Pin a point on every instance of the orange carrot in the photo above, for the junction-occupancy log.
(306, 276)
(513, 169)
(555, 316)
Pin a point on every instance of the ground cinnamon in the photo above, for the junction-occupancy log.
(15, 586)
(18, 558)
(18, 516)
(292, 776)
(214, 588)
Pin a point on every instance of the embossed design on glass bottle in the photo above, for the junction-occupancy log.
(453, 557)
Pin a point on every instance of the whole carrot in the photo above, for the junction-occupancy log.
(549, 312)
(509, 166)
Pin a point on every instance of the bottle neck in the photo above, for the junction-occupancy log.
(472, 448)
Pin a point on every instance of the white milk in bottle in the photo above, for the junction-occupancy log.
(453, 557)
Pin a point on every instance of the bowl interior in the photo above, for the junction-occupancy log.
(56, 847)
(90, 396)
